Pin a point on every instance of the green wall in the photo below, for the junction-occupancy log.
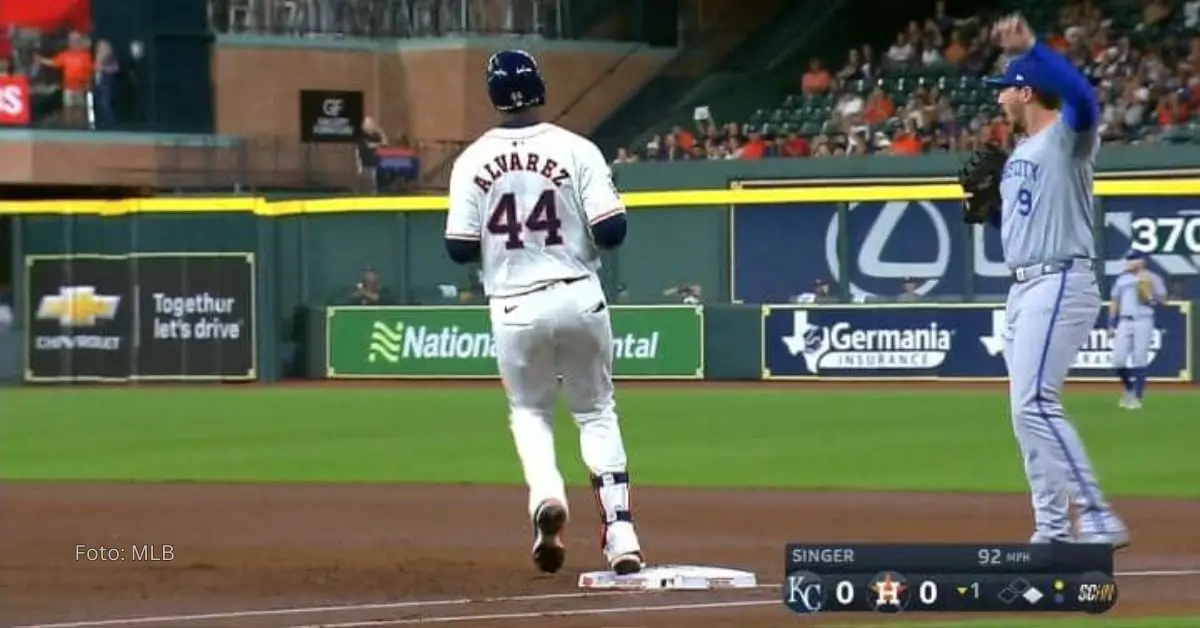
(312, 260)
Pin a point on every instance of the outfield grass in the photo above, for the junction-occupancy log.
(951, 441)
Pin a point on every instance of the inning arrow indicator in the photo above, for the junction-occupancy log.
(962, 590)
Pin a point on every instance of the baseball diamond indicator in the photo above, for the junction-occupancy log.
(1005, 592)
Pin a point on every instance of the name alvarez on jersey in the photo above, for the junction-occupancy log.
(501, 165)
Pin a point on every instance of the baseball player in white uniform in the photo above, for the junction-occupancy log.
(535, 204)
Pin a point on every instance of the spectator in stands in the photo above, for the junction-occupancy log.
(902, 52)
(870, 64)
(1148, 83)
(854, 69)
(907, 141)
(1172, 110)
(685, 293)
(879, 107)
(816, 80)
(733, 147)
(104, 94)
(369, 142)
(931, 55)
(796, 146)
(821, 293)
(685, 138)
(674, 150)
(908, 290)
(755, 146)
(776, 146)
(1176, 291)
(624, 156)
(848, 111)
(622, 293)
(881, 144)
(652, 149)
(955, 52)
(76, 66)
(371, 291)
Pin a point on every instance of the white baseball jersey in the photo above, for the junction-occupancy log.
(530, 196)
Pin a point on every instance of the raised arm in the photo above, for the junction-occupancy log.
(1081, 109)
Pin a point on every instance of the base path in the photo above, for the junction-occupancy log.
(458, 555)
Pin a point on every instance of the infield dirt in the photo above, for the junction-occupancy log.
(250, 547)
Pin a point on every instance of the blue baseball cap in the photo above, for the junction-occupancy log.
(1023, 72)
(1135, 254)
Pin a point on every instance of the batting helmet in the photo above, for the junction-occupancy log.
(514, 81)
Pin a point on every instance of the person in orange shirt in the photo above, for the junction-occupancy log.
(796, 146)
(906, 142)
(816, 80)
(955, 52)
(686, 139)
(879, 107)
(1172, 110)
(77, 67)
(755, 148)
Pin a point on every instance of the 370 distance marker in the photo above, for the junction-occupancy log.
(894, 591)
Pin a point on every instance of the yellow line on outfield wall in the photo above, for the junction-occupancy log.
(686, 199)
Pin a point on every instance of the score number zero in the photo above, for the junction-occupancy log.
(1145, 234)
(927, 592)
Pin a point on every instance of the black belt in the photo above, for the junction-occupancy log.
(1026, 273)
(565, 282)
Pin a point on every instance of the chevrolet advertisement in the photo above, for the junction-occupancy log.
(167, 317)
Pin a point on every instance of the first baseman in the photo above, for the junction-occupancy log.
(535, 204)
(1043, 207)
(1135, 294)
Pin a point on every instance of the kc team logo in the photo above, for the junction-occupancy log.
(1095, 354)
(842, 346)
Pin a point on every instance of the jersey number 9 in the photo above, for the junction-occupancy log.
(1024, 201)
(506, 221)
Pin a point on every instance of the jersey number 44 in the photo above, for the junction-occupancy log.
(505, 220)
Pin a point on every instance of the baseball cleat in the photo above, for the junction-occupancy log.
(627, 564)
(1118, 540)
(549, 553)
(1130, 402)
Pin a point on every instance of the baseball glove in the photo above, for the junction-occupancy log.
(980, 180)
(1145, 288)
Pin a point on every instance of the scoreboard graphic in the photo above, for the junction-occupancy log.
(866, 577)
